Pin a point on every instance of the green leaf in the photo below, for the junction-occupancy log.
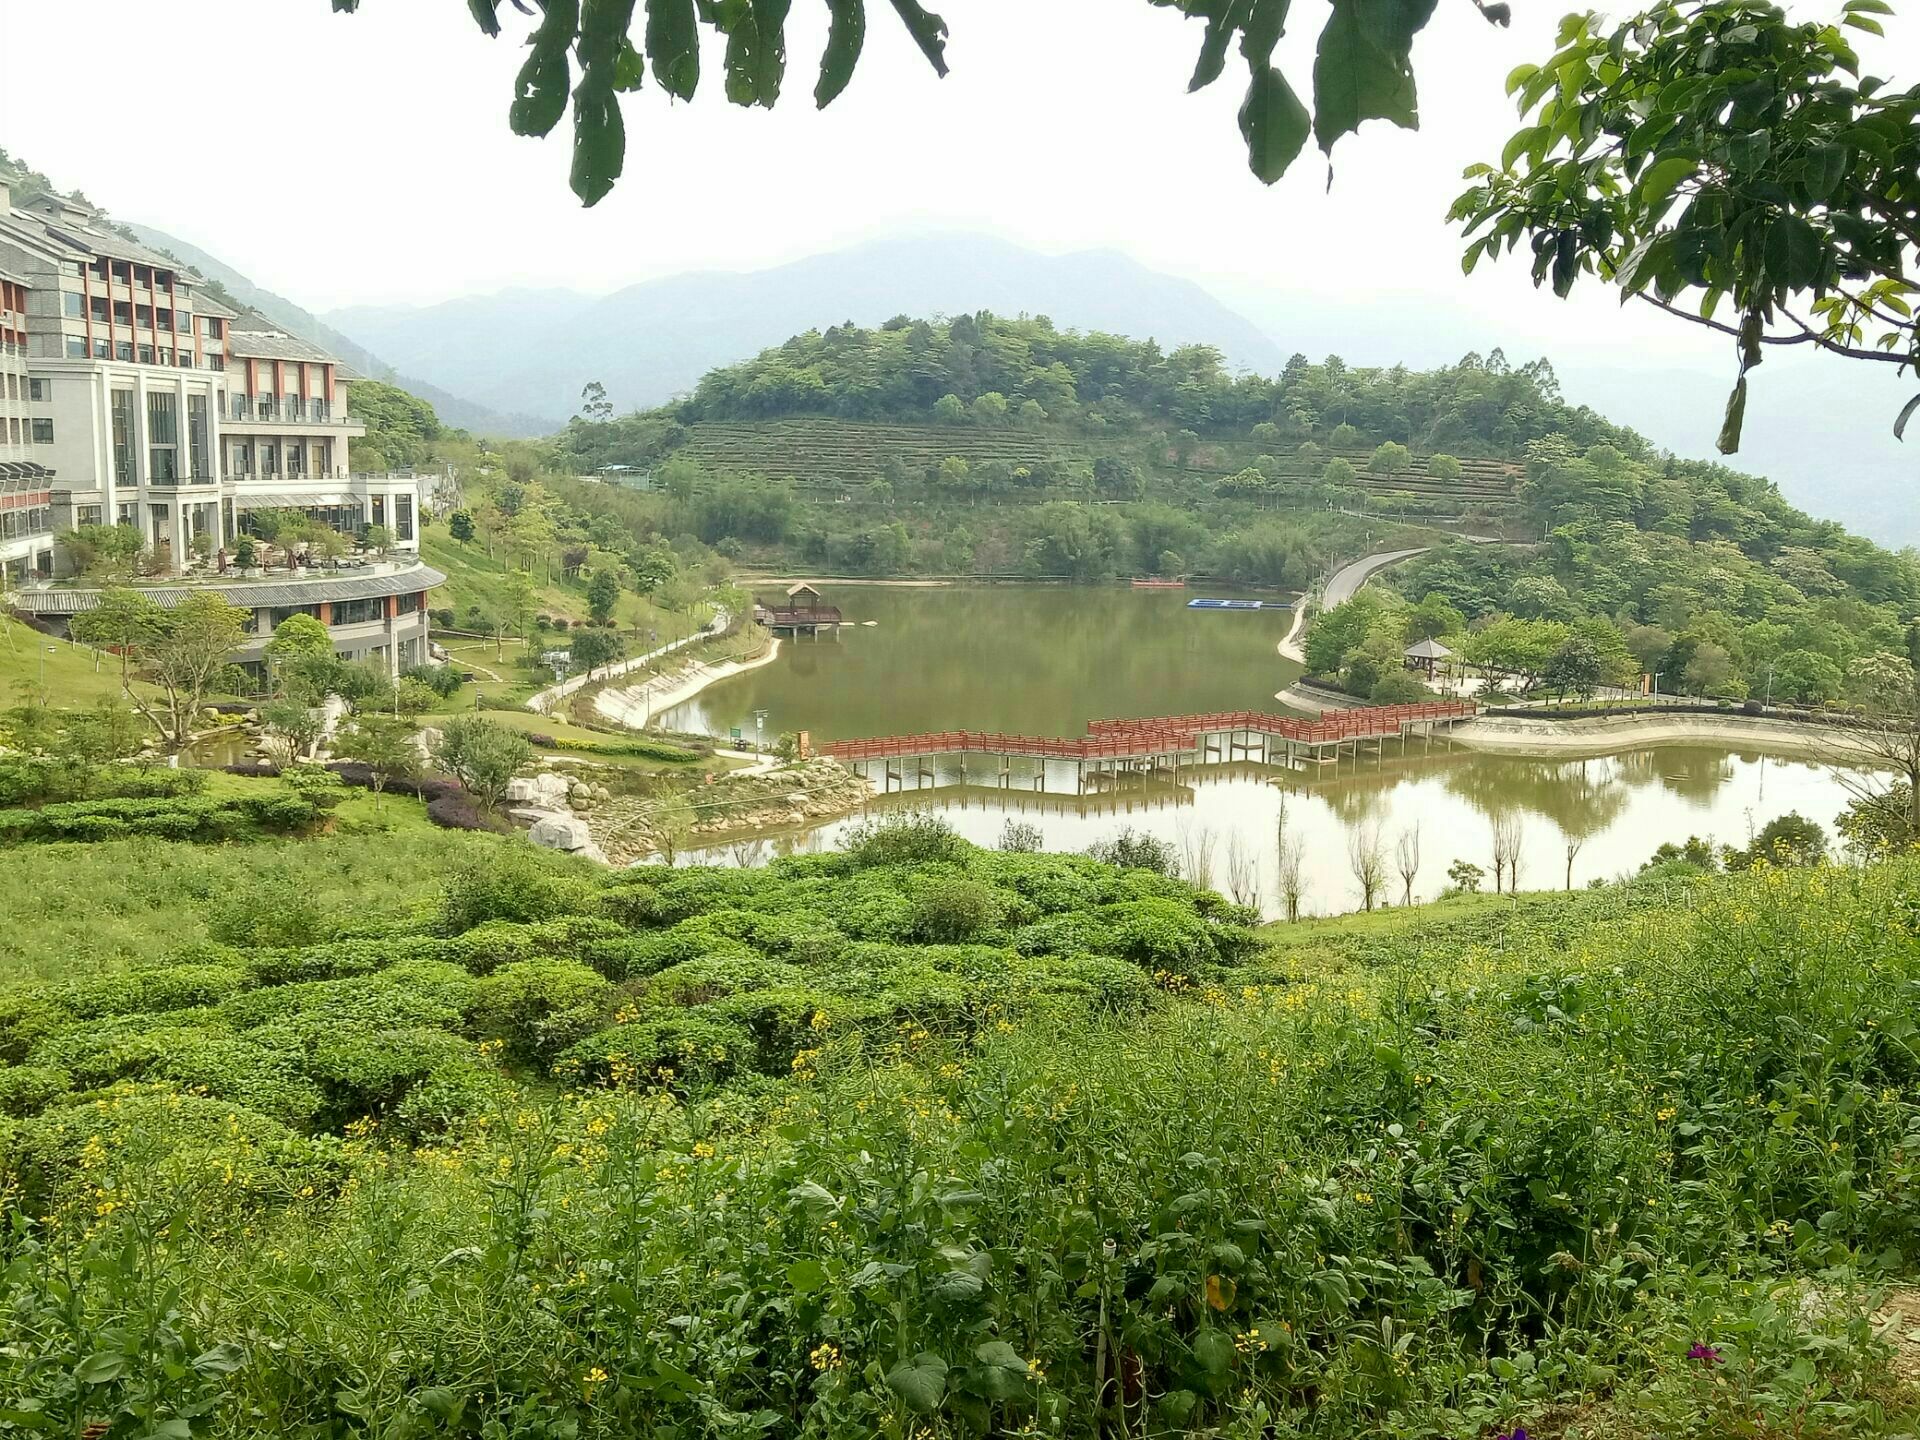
(540, 89)
(1361, 68)
(1826, 167)
(1566, 262)
(1519, 76)
(1274, 123)
(845, 36)
(1730, 427)
(929, 32)
(1001, 1373)
(1906, 413)
(673, 46)
(1213, 48)
(1213, 1351)
(1522, 142)
(958, 1287)
(100, 1367)
(806, 1276)
(222, 1359)
(1663, 178)
(756, 56)
(178, 1428)
(920, 1382)
(1750, 151)
(486, 14)
(1793, 252)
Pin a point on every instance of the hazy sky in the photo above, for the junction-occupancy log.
(363, 159)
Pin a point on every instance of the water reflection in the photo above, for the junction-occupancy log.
(1619, 808)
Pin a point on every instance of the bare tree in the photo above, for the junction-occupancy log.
(1196, 854)
(1406, 859)
(1506, 853)
(1243, 871)
(1574, 844)
(1289, 879)
(747, 853)
(1368, 862)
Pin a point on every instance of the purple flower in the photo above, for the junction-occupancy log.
(1704, 1353)
(1519, 1432)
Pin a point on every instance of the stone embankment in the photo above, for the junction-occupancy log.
(740, 804)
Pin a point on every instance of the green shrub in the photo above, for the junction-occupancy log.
(173, 987)
(1158, 934)
(910, 839)
(29, 1089)
(714, 976)
(512, 882)
(950, 910)
(684, 1052)
(515, 1001)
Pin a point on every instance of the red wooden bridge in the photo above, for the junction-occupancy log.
(1114, 745)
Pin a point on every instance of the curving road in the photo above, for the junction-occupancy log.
(1342, 587)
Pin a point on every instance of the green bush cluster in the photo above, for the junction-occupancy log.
(634, 749)
(1616, 1159)
(202, 819)
(33, 780)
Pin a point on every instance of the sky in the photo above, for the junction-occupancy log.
(365, 159)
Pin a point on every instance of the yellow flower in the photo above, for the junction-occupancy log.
(826, 1356)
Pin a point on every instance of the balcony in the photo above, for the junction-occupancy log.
(243, 415)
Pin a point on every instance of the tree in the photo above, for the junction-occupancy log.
(669, 823)
(376, 538)
(1185, 442)
(105, 552)
(589, 57)
(1368, 862)
(652, 567)
(1443, 467)
(1886, 792)
(483, 755)
(1465, 877)
(460, 525)
(1712, 154)
(950, 410)
(1116, 478)
(1344, 437)
(295, 726)
(1789, 840)
(1390, 457)
(517, 602)
(1406, 859)
(299, 637)
(185, 659)
(594, 648)
(595, 408)
(1574, 668)
(1339, 472)
(389, 748)
(603, 594)
(122, 618)
(1017, 837)
(1506, 852)
(990, 409)
(1574, 845)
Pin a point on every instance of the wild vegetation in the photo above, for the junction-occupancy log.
(922, 1136)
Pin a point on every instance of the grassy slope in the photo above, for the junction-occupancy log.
(476, 578)
(70, 672)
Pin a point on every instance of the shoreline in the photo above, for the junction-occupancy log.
(1573, 739)
(619, 705)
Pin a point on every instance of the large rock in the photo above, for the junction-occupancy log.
(565, 832)
(547, 790)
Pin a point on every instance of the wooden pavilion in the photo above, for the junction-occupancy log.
(801, 609)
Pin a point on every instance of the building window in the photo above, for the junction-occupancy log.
(163, 317)
(183, 322)
(146, 354)
(98, 309)
(123, 313)
(296, 458)
(128, 513)
(142, 276)
(87, 514)
(73, 303)
(43, 432)
(269, 458)
(403, 517)
(197, 436)
(123, 272)
(163, 438)
(216, 327)
(123, 472)
(101, 350)
(216, 362)
(39, 389)
(185, 359)
(76, 347)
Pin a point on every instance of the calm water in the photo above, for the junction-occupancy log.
(1045, 661)
(1030, 660)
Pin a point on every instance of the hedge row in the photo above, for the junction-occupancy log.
(192, 818)
(639, 749)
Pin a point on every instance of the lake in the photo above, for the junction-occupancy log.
(1044, 661)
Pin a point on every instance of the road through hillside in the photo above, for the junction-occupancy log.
(1344, 585)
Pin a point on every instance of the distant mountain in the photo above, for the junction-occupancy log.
(452, 409)
(533, 350)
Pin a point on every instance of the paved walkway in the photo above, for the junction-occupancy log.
(1344, 585)
(545, 700)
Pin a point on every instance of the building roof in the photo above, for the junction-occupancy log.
(62, 226)
(23, 470)
(273, 345)
(204, 303)
(252, 594)
(801, 589)
(1428, 650)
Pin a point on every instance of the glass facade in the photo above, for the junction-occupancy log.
(197, 447)
(163, 438)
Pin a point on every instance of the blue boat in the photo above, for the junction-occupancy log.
(1225, 604)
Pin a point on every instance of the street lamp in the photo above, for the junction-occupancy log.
(759, 720)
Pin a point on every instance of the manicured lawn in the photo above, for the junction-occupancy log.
(71, 674)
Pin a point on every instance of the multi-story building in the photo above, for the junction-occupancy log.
(160, 407)
(143, 400)
(26, 490)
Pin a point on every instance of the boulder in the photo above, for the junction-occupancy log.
(565, 832)
(547, 790)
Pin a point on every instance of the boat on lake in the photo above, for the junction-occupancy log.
(1149, 582)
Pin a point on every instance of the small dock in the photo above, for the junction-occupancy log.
(799, 612)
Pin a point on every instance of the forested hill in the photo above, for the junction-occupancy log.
(990, 370)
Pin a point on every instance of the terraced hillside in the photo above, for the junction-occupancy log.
(826, 451)
(1481, 484)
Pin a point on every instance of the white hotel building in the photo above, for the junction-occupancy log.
(142, 400)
